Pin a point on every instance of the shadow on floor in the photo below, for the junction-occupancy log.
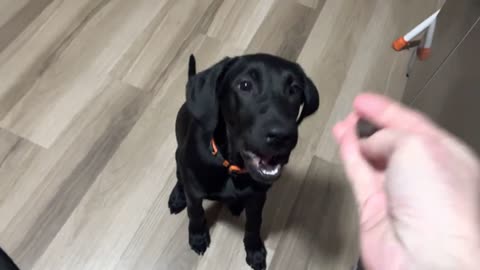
(318, 213)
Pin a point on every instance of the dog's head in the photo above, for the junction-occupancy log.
(262, 99)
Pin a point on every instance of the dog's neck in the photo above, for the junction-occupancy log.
(225, 145)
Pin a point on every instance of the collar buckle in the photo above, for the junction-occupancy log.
(232, 169)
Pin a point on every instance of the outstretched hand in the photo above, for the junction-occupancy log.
(417, 189)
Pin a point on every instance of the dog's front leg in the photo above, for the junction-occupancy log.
(198, 235)
(254, 247)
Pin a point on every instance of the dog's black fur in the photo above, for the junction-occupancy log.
(6, 263)
(252, 106)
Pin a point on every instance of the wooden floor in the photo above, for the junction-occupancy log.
(88, 94)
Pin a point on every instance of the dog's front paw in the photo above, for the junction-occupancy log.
(177, 201)
(257, 257)
(199, 241)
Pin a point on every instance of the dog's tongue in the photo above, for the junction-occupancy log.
(266, 165)
(266, 161)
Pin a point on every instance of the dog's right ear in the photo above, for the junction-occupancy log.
(202, 93)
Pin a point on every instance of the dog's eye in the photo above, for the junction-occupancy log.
(245, 86)
(293, 89)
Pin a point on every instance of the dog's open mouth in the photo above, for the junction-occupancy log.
(268, 168)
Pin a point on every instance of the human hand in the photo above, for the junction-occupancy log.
(417, 188)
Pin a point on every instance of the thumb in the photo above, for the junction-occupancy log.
(381, 145)
(363, 178)
(380, 248)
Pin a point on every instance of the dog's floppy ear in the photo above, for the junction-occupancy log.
(203, 91)
(311, 100)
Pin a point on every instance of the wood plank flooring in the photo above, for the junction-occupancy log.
(89, 91)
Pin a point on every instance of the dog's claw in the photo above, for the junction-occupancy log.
(199, 242)
(257, 258)
(177, 201)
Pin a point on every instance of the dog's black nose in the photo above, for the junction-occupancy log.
(279, 135)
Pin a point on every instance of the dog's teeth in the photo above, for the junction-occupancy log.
(273, 171)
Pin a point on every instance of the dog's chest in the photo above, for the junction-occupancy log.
(232, 187)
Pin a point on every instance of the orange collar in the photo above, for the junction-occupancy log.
(231, 168)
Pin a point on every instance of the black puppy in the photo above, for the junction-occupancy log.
(6, 263)
(235, 132)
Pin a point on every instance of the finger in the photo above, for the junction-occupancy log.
(361, 175)
(386, 113)
(338, 131)
(340, 128)
(351, 120)
(381, 145)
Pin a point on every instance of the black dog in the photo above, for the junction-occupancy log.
(6, 263)
(235, 132)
